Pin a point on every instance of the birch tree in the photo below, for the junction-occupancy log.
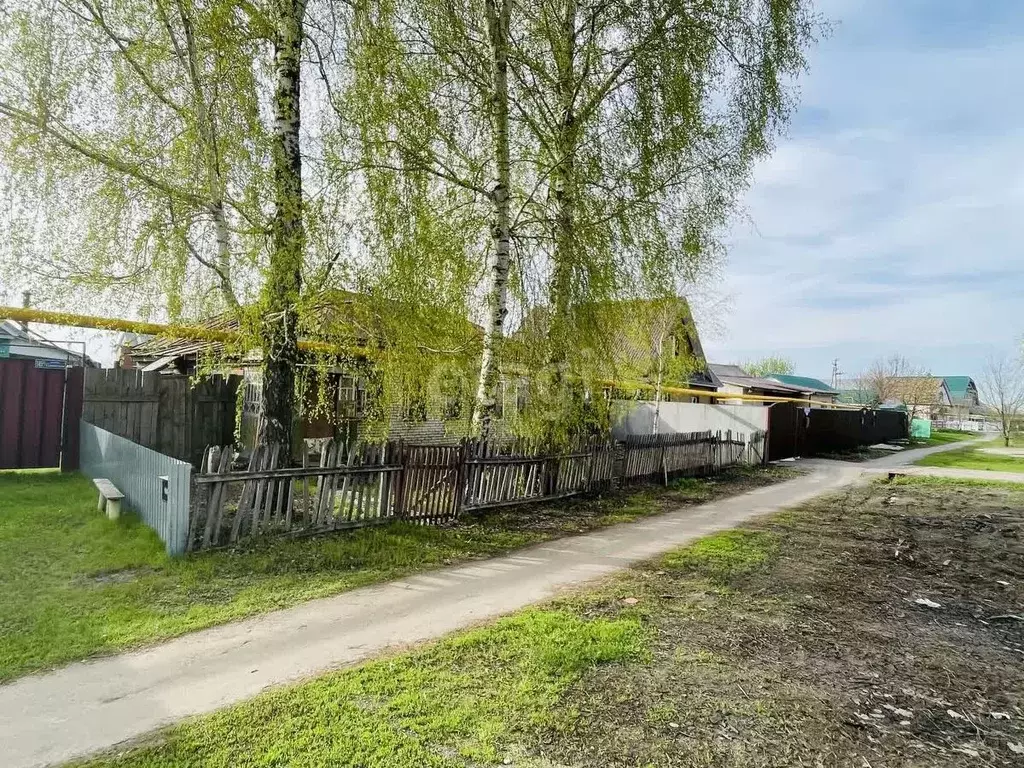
(431, 104)
(648, 116)
(627, 130)
(131, 133)
(283, 283)
(139, 130)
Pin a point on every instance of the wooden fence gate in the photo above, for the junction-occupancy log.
(40, 410)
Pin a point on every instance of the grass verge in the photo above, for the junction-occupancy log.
(77, 585)
(972, 458)
(945, 437)
(796, 641)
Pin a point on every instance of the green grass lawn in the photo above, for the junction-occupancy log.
(754, 647)
(75, 584)
(945, 437)
(972, 458)
(1016, 441)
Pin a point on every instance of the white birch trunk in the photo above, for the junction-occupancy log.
(657, 386)
(214, 173)
(498, 17)
(284, 274)
(563, 183)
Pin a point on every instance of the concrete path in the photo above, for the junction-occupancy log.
(90, 706)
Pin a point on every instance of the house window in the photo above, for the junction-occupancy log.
(452, 409)
(252, 399)
(414, 408)
(351, 396)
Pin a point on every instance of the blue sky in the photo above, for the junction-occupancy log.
(890, 219)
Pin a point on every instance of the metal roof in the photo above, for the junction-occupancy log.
(958, 386)
(804, 383)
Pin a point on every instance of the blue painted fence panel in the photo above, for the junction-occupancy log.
(140, 474)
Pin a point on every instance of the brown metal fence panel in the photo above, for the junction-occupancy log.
(36, 423)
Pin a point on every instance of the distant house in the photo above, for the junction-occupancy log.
(17, 342)
(924, 396)
(963, 392)
(813, 389)
(964, 409)
(734, 380)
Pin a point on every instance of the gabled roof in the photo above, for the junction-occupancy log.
(628, 321)
(804, 383)
(922, 389)
(735, 376)
(959, 386)
(728, 370)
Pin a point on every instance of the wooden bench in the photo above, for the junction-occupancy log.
(110, 497)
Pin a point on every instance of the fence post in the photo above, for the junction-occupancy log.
(625, 462)
(460, 477)
(591, 454)
(400, 480)
(550, 471)
(664, 467)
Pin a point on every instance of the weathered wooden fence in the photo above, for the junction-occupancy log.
(170, 414)
(360, 485)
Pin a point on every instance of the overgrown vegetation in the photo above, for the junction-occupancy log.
(76, 584)
(796, 641)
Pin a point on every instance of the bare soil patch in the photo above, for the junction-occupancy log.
(810, 639)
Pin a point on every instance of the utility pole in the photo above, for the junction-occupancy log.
(836, 373)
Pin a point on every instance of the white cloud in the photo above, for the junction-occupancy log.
(890, 220)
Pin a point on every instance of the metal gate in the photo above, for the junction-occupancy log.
(40, 410)
(787, 431)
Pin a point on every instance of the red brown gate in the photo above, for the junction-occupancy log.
(39, 413)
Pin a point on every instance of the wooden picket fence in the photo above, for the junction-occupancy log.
(350, 486)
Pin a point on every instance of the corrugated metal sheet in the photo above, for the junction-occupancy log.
(33, 416)
(156, 487)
